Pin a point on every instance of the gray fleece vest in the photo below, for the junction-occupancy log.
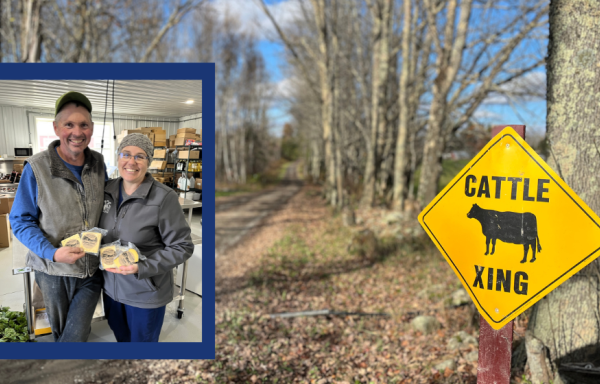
(66, 207)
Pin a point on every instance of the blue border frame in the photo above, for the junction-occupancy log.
(150, 71)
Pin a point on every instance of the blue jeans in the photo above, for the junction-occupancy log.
(70, 304)
(133, 324)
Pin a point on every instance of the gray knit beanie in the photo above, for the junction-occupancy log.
(140, 141)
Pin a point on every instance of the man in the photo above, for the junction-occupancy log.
(60, 194)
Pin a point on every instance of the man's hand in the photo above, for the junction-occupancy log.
(124, 270)
(68, 255)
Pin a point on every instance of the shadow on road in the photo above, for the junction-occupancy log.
(236, 217)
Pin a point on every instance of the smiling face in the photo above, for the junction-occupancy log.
(132, 171)
(74, 128)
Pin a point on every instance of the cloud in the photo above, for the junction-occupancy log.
(285, 88)
(530, 87)
(485, 114)
(253, 19)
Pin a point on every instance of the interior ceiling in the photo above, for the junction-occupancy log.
(164, 98)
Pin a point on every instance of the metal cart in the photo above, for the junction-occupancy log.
(20, 268)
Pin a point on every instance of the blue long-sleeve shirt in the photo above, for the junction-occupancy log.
(25, 213)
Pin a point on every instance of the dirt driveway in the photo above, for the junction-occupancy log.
(237, 216)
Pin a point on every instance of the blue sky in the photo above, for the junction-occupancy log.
(530, 113)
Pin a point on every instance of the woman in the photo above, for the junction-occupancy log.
(142, 211)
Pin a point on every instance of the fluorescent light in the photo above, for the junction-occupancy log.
(190, 102)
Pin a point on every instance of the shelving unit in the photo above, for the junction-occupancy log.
(186, 168)
(165, 171)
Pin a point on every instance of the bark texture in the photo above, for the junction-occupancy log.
(567, 321)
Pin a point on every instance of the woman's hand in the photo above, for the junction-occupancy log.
(124, 270)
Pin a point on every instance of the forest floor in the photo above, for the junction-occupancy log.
(302, 258)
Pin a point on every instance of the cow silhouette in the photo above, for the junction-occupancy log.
(509, 227)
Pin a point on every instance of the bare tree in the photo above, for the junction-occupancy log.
(90, 31)
(462, 91)
(243, 94)
(381, 12)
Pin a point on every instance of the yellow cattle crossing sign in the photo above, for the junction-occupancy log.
(511, 228)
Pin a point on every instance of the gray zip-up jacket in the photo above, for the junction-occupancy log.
(66, 207)
(153, 220)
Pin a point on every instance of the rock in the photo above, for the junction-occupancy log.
(461, 339)
(441, 367)
(460, 297)
(348, 217)
(425, 324)
(472, 356)
(393, 217)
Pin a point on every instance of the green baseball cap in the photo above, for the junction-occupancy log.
(70, 97)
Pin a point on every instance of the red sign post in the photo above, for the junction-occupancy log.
(495, 347)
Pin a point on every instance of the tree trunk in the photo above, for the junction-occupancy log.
(567, 321)
(382, 17)
(401, 159)
(31, 36)
(431, 168)
(449, 56)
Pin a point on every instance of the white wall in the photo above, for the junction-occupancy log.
(13, 130)
(191, 121)
(14, 133)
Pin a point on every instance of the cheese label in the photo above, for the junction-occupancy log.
(91, 241)
(73, 241)
(108, 256)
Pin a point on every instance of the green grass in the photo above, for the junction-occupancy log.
(228, 193)
(257, 181)
(450, 168)
(283, 170)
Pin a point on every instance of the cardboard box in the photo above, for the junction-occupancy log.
(18, 168)
(6, 202)
(186, 135)
(4, 231)
(189, 154)
(160, 143)
(126, 132)
(198, 183)
(186, 130)
(160, 153)
(172, 137)
(160, 135)
(158, 164)
(147, 129)
(179, 141)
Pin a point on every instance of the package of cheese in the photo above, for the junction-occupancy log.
(115, 255)
(73, 241)
(91, 240)
(108, 255)
(127, 258)
(128, 255)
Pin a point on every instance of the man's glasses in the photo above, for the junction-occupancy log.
(137, 158)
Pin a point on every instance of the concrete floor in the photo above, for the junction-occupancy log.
(187, 329)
